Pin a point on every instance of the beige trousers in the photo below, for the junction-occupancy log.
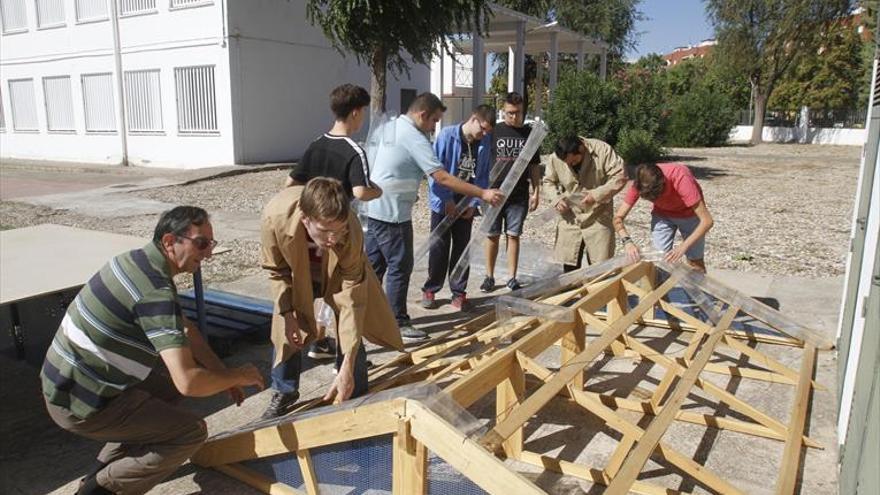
(147, 436)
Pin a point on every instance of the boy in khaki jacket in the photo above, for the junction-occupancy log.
(313, 247)
(591, 168)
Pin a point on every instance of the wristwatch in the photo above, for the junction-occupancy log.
(625, 239)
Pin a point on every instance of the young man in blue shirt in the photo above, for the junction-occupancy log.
(404, 156)
(465, 150)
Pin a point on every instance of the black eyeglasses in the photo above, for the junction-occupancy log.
(201, 243)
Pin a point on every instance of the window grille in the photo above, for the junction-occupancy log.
(133, 7)
(59, 103)
(23, 104)
(464, 70)
(2, 115)
(196, 106)
(98, 105)
(143, 101)
(91, 10)
(177, 4)
(14, 16)
(50, 13)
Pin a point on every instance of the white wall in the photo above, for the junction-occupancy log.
(283, 70)
(162, 40)
(816, 135)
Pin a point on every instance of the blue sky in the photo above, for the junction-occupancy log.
(668, 24)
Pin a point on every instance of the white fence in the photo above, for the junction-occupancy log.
(811, 135)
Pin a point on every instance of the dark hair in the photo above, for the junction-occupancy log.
(324, 199)
(178, 221)
(568, 145)
(426, 102)
(649, 181)
(513, 98)
(485, 113)
(347, 98)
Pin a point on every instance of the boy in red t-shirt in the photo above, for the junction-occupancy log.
(678, 206)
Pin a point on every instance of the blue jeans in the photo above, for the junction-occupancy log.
(390, 248)
(285, 376)
(511, 218)
(663, 234)
(440, 260)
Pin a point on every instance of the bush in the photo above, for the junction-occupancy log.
(637, 146)
(582, 105)
(642, 100)
(701, 117)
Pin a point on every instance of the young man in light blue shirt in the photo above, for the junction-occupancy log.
(465, 150)
(403, 157)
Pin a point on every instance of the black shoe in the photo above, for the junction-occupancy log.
(488, 284)
(90, 486)
(410, 333)
(323, 349)
(280, 404)
(513, 284)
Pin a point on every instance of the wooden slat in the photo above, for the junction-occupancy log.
(613, 420)
(794, 443)
(257, 480)
(649, 441)
(591, 474)
(308, 471)
(465, 455)
(410, 463)
(493, 439)
(326, 429)
(508, 395)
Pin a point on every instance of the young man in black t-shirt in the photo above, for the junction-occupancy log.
(335, 154)
(508, 140)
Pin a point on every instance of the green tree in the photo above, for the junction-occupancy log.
(761, 38)
(381, 32)
(828, 80)
(583, 105)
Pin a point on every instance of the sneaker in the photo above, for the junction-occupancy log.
(459, 302)
(428, 300)
(410, 333)
(280, 404)
(488, 284)
(513, 284)
(323, 349)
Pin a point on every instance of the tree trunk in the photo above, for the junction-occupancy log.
(761, 97)
(378, 66)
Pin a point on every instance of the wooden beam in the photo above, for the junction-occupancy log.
(613, 420)
(787, 481)
(316, 431)
(308, 472)
(649, 441)
(590, 474)
(257, 480)
(409, 463)
(493, 439)
(508, 396)
(465, 455)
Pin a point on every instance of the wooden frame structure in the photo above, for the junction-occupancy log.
(485, 360)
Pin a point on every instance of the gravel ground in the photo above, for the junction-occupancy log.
(779, 209)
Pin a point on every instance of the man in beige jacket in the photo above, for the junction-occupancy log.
(581, 177)
(313, 247)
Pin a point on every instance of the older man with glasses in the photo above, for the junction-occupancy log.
(124, 354)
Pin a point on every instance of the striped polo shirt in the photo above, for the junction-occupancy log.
(112, 333)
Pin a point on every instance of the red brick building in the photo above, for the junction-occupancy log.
(687, 52)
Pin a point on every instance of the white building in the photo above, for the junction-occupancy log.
(212, 82)
(204, 82)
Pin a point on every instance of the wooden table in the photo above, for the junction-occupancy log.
(46, 259)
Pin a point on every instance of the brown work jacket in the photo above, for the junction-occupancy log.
(601, 174)
(349, 285)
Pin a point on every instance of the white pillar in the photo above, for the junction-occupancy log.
(517, 60)
(478, 71)
(603, 63)
(554, 63)
(539, 83)
(580, 63)
(437, 72)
